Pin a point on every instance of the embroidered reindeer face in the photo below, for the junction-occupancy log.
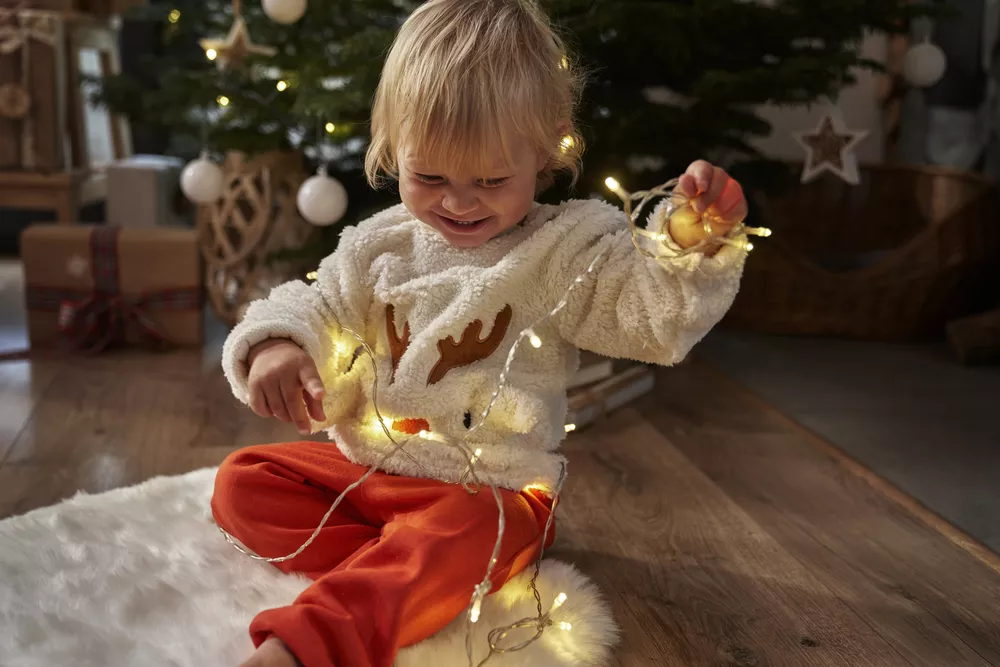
(468, 349)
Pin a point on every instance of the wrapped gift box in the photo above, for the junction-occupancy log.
(144, 191)
(94, 286)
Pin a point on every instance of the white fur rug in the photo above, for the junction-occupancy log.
(142, 576)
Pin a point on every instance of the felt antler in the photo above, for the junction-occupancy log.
(397, 345)
(470, 348)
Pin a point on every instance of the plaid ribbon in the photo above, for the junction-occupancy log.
(94, 319)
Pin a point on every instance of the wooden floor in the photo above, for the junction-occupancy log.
(723, 534)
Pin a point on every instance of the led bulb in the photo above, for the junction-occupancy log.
(536, 342)
(425, 435)
(312, 275)
(330, 127)
(211, 54)
(749, 246)
(565, 626)
(567, 143)
(222, 100)
(558, 602)
(477, 609)
(570, 428)
(612, 184)
(175, 16)
(281, 85)
(479, 453)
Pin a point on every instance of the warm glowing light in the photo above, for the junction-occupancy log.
(175, 16)
(612, 184)
(479, 453)
(425, 435)
(222, 100)
(211, 54)
(564, 63)
(558, 602)
(541, 488)
(477, 608)
(749, 246)
(281, 85)
(764, 231)
(330, 127)
(565, 626)
(536, 342)
(312, 275)
(567, 143)
(570, 428)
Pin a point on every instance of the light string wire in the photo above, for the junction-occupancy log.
(542, 620)
(635, 202)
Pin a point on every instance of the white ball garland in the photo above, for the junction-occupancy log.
(924, 65)
(284, 11)
(202, 180)
(322, 200)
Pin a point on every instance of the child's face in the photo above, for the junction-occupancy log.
(468, 208)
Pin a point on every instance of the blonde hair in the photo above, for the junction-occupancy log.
(463, 75)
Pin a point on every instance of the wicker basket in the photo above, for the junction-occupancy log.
(894, 257)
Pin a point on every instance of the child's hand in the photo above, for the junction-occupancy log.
(284, 383)
(713, 193)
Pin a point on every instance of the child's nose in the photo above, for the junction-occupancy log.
(457, 202)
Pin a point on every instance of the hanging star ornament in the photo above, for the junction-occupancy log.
(830, 148)
(234, 49)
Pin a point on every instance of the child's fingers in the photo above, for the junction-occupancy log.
(702, 173)
(292, 392)
(716, 185)
(732, 204)
(315, 407)
(311, 380)
(688, 186)
(276, 402)
(258, 403)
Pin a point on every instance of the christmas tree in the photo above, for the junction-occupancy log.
(669, 81)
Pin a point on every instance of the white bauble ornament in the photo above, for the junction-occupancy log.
(284, 11)
(202, 180)
(322, 200)
(924, 65)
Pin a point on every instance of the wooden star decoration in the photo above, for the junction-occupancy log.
(234, 49)
(830, 148)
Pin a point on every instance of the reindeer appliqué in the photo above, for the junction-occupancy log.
(467, 350)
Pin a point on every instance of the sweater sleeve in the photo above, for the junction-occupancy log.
(634, 306)
(311, 316)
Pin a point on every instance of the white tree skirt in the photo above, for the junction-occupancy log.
(142, 576)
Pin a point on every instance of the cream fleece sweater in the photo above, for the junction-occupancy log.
(442, 319)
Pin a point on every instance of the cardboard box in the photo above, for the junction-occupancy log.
(97, 285)
(144, 191)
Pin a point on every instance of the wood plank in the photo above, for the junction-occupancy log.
(119, 419)
(693, 579)
(933, 601)
(21, 387)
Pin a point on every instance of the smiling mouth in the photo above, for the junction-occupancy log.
(464, 225)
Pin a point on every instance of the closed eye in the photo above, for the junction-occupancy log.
(493, 182)
(429, 179)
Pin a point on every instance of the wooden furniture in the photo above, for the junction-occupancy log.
(52, 155)
(63, 192)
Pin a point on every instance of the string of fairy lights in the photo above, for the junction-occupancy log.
(665, 250)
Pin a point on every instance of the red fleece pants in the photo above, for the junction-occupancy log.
(396, 562)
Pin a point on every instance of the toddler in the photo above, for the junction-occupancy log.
(470, 119)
